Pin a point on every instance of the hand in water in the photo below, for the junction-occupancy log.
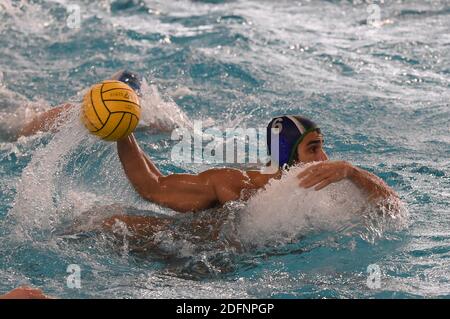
(325, 173)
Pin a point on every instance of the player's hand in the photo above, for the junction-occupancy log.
(325, 173)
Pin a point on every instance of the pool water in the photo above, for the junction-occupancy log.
(378, 86)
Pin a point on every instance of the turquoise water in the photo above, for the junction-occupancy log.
(380, 92)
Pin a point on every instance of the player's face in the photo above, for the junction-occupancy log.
(311, 149)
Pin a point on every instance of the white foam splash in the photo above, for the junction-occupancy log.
(180, 92)
(35, 202)
(283, 211)
(159, 113)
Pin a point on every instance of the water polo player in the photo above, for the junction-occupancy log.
(300, 141)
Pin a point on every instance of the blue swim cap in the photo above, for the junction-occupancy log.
(291, 130)
(130, 78)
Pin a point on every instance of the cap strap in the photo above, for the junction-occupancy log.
(294, 148)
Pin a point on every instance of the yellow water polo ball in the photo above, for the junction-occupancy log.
(111, 110)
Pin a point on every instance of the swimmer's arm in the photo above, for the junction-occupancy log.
(374, 186)
(45, 121)
(325, 173)
(180, 192)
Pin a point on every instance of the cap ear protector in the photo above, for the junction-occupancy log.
(130, 78)
(290, 131)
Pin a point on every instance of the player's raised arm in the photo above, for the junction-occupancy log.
(181, 192)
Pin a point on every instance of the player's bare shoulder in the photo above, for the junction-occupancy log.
(228, 183)
(229, 176)
(260, 179)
